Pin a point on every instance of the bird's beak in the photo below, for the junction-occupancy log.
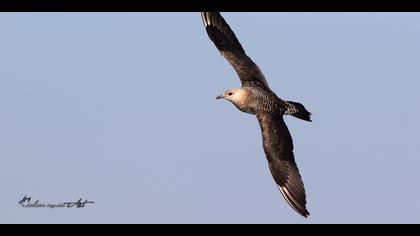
(220, 97)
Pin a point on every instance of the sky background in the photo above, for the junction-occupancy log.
(120, 108)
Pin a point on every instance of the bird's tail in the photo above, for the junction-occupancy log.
(297, 110)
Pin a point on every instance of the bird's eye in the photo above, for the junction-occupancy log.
(230, 94)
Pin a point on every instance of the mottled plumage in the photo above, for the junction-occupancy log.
(255, 97)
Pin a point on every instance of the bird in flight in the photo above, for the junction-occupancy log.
(256, 97)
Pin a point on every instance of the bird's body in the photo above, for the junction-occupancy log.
(255, 97)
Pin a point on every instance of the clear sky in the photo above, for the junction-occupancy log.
(120, 108)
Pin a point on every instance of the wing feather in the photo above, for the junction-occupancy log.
(278, 147)
(231, 49)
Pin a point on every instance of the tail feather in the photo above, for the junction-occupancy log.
(298, 110)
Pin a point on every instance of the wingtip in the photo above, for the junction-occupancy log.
(298, 207)
(211, 18)
(306, 214)
(205, 18)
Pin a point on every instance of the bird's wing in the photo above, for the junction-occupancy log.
(278, 148)
(231, 49)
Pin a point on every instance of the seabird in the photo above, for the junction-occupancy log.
(255, 97)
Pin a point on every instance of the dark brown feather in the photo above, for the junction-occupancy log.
(229, 46)
(278, 148)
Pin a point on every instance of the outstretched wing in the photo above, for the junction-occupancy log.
(227, 43)
(278, 148)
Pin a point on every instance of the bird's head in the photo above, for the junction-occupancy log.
(236, 96)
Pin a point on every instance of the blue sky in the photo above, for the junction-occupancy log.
(120, 108)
